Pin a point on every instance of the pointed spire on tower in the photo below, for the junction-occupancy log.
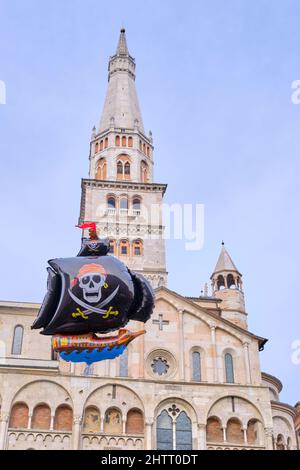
(225, 262)
(122, 48)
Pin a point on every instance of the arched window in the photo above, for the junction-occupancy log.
(117, 141)
(41, 417)
(127, 168)
(183, 432)
(136, 204)
(196, 364)
(19, 416)
(135, 422)
(144, 172)
(17, 340)
(141, 145)
(101, 145)
(148, 151)
(173, 433)
(123, 167)
(96, 147)
(229, 368)
(124, 204)
(101, 169)
(124, 141)
(120, 169)
(137, 248)
(230, 281)
(124, 248)
(144, 148)
(91, 421)
(130, 142)
(164, 431)
(63, 419)
(214, 432)
(220, 282)
(111, 202)
(106, 142)
(113, 421)
(234, 431)
(123, 372)
(112, 248)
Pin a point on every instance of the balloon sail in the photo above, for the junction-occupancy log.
(93, 293)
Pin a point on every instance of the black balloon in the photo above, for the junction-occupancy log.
(92, 293)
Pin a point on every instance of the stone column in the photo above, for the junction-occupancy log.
(142, 354)
(29, 421)
(245, 436)
(224, 434)
(101, 424)
(181, 346)
(52, 423)
(214, 351)
(247, 362)
(148, 434)
(268, 438)
(124, 426)
(201, 436)
(76, 433)
(4, 418)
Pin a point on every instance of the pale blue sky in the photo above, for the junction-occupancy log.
(214, 80)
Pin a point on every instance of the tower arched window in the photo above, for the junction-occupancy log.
(144, 148)
(124, 205)
(220, 282)
(137, 248)
(120, 168)
(117, 140)
(17, 340)
(230, 282)
(123, 167)
(96, 147)
(111, 202)
(101, 145)
(196, 365)
(124, 248)
(127, 168)
(141, 145)
(148, 151)
(229, 371)
(112, 247)
(124, 141)
(144, 172)
(173, 433)
(136, 204)
(130, 141)
(101, 169)
(106, 142)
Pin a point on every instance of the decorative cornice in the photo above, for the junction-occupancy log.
(272, 380)
(123, 185)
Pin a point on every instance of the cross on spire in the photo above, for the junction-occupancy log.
(161, 322)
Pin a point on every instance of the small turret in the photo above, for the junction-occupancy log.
(227, 285)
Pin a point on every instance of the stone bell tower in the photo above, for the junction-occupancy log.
(120, 195)
(227, 285)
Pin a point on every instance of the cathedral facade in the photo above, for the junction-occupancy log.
(193, 381)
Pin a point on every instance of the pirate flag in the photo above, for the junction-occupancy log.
(90, 294)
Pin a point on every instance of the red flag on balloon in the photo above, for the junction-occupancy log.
(91, 225)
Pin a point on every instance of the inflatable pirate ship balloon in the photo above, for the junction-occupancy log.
(92, 294)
